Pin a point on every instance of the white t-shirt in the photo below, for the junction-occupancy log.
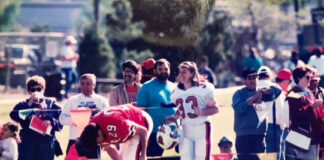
(186, 100)
(317, 63)
(68, 52)
(80, 101)
(10, 149)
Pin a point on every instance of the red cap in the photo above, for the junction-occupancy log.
(148, 64)
(284, 74)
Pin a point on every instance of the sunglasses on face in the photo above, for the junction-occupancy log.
(252, 77)
(308, 77)
(38, 89)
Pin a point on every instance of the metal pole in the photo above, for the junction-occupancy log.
(96, 10)
(8, 57)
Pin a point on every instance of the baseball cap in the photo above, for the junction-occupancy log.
(284, 74)
(264, 71)
(148, 63)
(249, 72)
(224, 140)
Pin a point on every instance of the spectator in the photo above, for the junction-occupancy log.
(196, 100)
(125, 126)
(284, 79)
(86, 147)
(273, 104)
(303, 115)
(148, 70)
(293, 62)
(314, 87)
(126, 92)
(35, 145)
(250, 133)
(86, 99)
(8, 142)
(154, 96)
(253, 60)
(206, 71)
(69, 58)
(225, 145)
(317, 61)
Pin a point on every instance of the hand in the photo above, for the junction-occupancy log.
(143, 156)
(32, 100)
(317, 103)
(46, 123)
(197, 111)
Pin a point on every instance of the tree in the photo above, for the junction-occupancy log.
(9, 12)
(96, 55)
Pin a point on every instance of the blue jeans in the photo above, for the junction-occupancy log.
(248, 146)
(71, 76)
(273, 139)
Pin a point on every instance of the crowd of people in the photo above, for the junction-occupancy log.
(270, 114)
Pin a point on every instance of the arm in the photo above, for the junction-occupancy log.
(113, 97)
(211, 108)
(112, 152)
(142, 133)
(240, 105)
(142, 97)
(65, 117)
(55, 122)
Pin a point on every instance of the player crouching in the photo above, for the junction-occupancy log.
(125, 127)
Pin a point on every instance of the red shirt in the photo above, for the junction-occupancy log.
(132, 93)
(118, 122)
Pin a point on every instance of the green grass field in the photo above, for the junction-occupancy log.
(222, 122)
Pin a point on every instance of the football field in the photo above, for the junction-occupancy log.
(222, 122)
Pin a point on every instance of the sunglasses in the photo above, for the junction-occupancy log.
(38, 89)
(252, 77)
(308, 77)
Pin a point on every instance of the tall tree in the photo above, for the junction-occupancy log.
(96, 55)
(9, 12)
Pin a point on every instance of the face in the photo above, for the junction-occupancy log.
(226, 148)
(6, 132)
(314, 84)
(305, 81)
(285, 84)
(87, 86)
(251, 82)
(37, 88)
(185, 76)
(162, 72)
(129, 75)
(100, 137)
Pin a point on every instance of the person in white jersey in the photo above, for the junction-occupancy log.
(195, 100)
(86, 99)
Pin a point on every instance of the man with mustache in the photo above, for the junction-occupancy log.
(126, 92)
(154, 96)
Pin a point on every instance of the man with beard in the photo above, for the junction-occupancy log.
(126, 92)
(154, 96)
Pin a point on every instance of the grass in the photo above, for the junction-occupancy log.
(222, 122)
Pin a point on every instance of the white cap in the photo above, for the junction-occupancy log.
(266, 70)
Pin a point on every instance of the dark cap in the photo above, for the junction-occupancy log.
(224, 140)
(130, 64)
(249, 72)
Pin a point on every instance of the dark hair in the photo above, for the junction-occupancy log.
(35, 81)
(13, 127)
(160, 62)
(89, 135)
(299, 72)
(130, 64)
(204, 59)
(278, 80)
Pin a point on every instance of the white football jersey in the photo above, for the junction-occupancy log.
(187, 100)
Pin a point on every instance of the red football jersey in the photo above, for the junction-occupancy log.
(117, 122)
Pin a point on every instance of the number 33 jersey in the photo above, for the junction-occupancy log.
(191, 98)
(118, 122)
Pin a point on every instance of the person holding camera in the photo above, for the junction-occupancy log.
(35, 142)
(250, 133)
